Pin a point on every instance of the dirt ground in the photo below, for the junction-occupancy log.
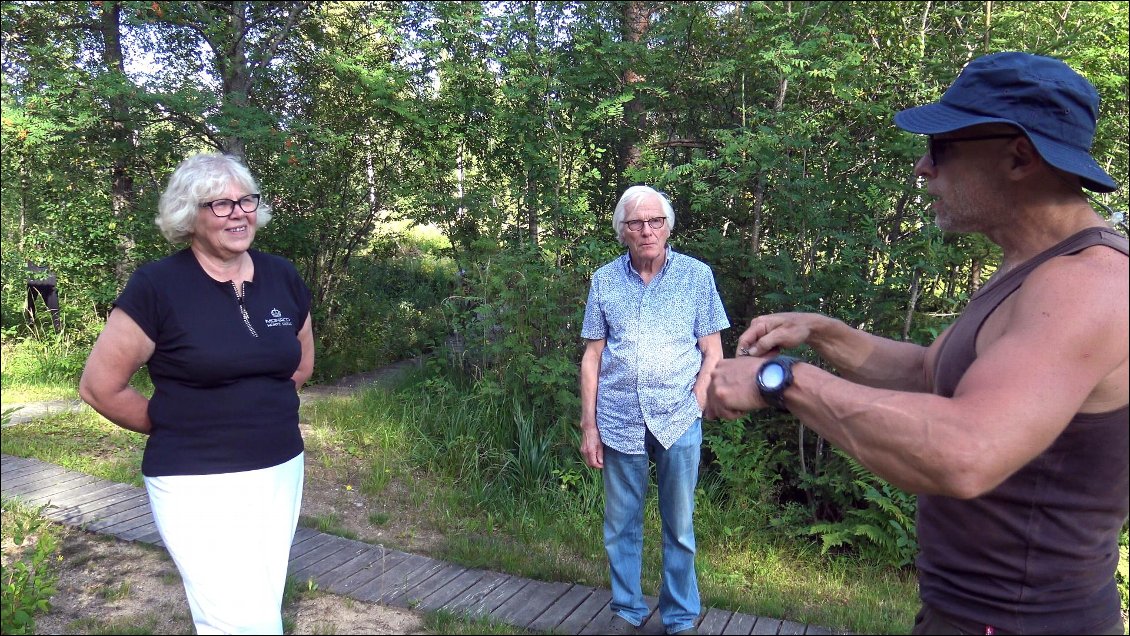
(109, 586)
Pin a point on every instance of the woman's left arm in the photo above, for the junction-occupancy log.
(306, 364)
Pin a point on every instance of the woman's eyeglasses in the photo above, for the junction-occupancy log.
(224, 207)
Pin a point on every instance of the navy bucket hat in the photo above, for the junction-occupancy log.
(1055, 106)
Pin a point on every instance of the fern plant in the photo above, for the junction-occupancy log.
(883, 531)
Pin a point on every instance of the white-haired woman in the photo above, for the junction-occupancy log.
(226, 334)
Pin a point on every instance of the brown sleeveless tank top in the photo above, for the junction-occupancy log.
(1038, 553)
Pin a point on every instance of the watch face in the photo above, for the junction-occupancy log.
(772, 375)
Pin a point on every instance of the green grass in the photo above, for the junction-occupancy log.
(329, 523)
(82, 441)
(446, 623)
(134, 626)
(40, 370)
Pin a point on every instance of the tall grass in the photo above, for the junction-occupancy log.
(39, 369)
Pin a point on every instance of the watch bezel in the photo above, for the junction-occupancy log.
(775, 396)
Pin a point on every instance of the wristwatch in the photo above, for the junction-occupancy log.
(773, 378)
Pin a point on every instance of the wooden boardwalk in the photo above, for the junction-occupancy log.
(365, 571)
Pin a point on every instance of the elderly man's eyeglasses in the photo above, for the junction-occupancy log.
(224, 207)
(937, 147)
(654, 223)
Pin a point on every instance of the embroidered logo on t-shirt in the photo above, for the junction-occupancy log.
(278, 320)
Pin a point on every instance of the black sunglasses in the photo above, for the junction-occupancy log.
(935, 147)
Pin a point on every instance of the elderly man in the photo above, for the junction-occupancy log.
(652, 326)
(1012, 427)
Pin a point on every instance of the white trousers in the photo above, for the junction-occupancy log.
(230, 536)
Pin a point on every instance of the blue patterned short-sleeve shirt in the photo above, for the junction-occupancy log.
(651, 357)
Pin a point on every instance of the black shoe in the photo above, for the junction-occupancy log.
(683, 632)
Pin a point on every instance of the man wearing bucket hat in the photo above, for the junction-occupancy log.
(1012, 426)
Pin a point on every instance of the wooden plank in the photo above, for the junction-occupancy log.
(32, 472)
(472, 595)
(450, 590)
(316, 570)
(302, 534)
(740, 624)
(95, 522)
(111, 503)
(714, 621)
(522, 608)
(790, 628)
(13, 462)
(323, 546)
(487, 603)
(653, 622)
(589, 608)
(390, 579)
(94, 495)
(816, 630)
(18, 466)
(397, 594)
(153, 537)
(138, 531)
(76, 491)
(363, 560)
(765, 625)
(124, 529)
(413, 597)
(108, 521)
(562, 607)
(61, 491)
(89, 507)
(28, 483)
(44, 484)
(122, 520)
(349, 585)
(300, 544)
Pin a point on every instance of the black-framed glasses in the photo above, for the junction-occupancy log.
(654, 223)
(936, 147)
(224, 207)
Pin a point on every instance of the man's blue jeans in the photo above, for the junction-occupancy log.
(625, 488)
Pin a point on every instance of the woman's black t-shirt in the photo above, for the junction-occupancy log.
(223, 399)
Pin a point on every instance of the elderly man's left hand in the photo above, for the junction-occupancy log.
(733, 388)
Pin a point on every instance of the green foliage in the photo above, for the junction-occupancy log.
(883, 530)
(29, 581)
(53, 360)
(747, 465)
(388, 307)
